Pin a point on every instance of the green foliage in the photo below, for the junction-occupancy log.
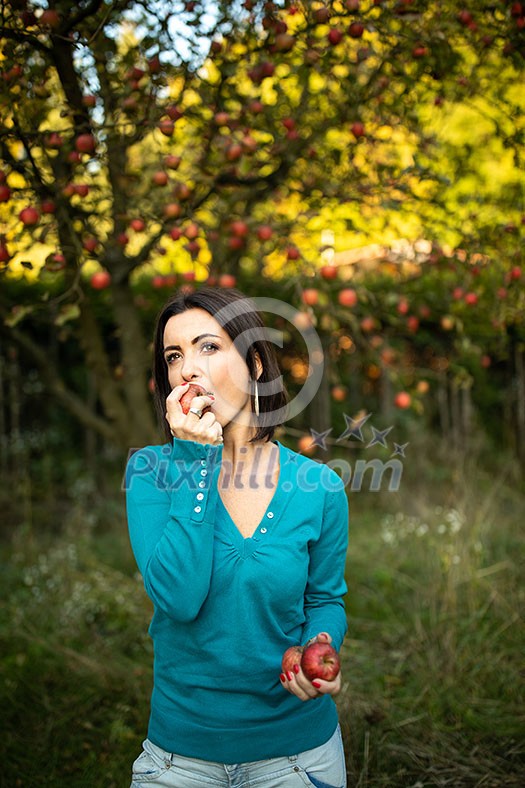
(431, 664)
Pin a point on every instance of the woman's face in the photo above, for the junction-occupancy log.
(198, 350)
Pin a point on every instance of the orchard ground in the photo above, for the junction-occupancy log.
(432, 686)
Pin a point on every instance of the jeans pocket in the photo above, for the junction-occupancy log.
(147, 767)
(325, 766)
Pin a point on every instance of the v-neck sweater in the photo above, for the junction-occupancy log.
(226, 608)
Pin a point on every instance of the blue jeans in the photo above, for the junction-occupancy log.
(322, 767)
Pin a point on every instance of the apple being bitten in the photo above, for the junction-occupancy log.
(292, 656)
(320, 661)
(193, 390)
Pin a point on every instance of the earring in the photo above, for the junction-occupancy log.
(256, 395)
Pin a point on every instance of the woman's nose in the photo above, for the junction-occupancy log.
(189, 368)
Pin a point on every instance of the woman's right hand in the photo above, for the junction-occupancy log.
(189, 426)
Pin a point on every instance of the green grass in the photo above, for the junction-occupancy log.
(433, 661)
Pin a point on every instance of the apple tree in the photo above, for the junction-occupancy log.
(145, 145)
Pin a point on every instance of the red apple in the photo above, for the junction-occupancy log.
(329, 272)
(89, 100)
(160, 178)
(85, 143)
(412, 323)
(166, 127)
(4, 252)
(292, 656)
(310, 296)
(193, 390)
(221, 118)
(356, 30)
(284, 42)
(138, 225)
(471, 298)
(5, 193)
(335, 36)
(48, 206)
(172, 162)
(227, 280)
(235, 243)
(90, 244)
(265, 232)
(320, 661)
(339, 393)
(234, 152)
(402, 400)
(29, 216)
(293, 253)
(368, 324)
(175, 233)
(100, 280)
(347, 297)
(49, 18)
(173, 112)
(239, 228)
(172, 210)
(403, 306)
(358, 129)
(322, 15)
(306, 445)
(82, 189)
(192, 231)
(515, 272)
(55, 140)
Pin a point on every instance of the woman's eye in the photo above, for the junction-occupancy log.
(171, 357)
(207, 346)
(211, 345)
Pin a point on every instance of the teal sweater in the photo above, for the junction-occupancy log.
(226, 608)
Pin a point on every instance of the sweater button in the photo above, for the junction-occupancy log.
(269, 515)
(200, 496)
(203, 462)
(198, 509)
(202, 484)
(204, 472)
(264, 530)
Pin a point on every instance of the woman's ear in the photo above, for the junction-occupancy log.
(258, 366)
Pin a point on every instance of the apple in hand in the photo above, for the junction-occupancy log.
(320, 661)
(292, 656)
(192, 391)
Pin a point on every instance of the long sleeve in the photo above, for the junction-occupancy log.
(326, 586)
(171, 495)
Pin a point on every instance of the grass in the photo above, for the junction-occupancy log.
(433, 660)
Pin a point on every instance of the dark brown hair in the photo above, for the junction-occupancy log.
(239, 317)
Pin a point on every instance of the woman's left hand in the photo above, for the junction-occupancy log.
(297, 683)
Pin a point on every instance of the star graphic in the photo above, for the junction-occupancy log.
(399, 449)
(319, 438)
(291, 458)
(353, 427)
(379, 436)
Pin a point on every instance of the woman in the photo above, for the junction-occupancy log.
(241, 543)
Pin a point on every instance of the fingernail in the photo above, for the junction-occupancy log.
(289, 675)
(316, 684)
(283, 677)
(296, 668)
